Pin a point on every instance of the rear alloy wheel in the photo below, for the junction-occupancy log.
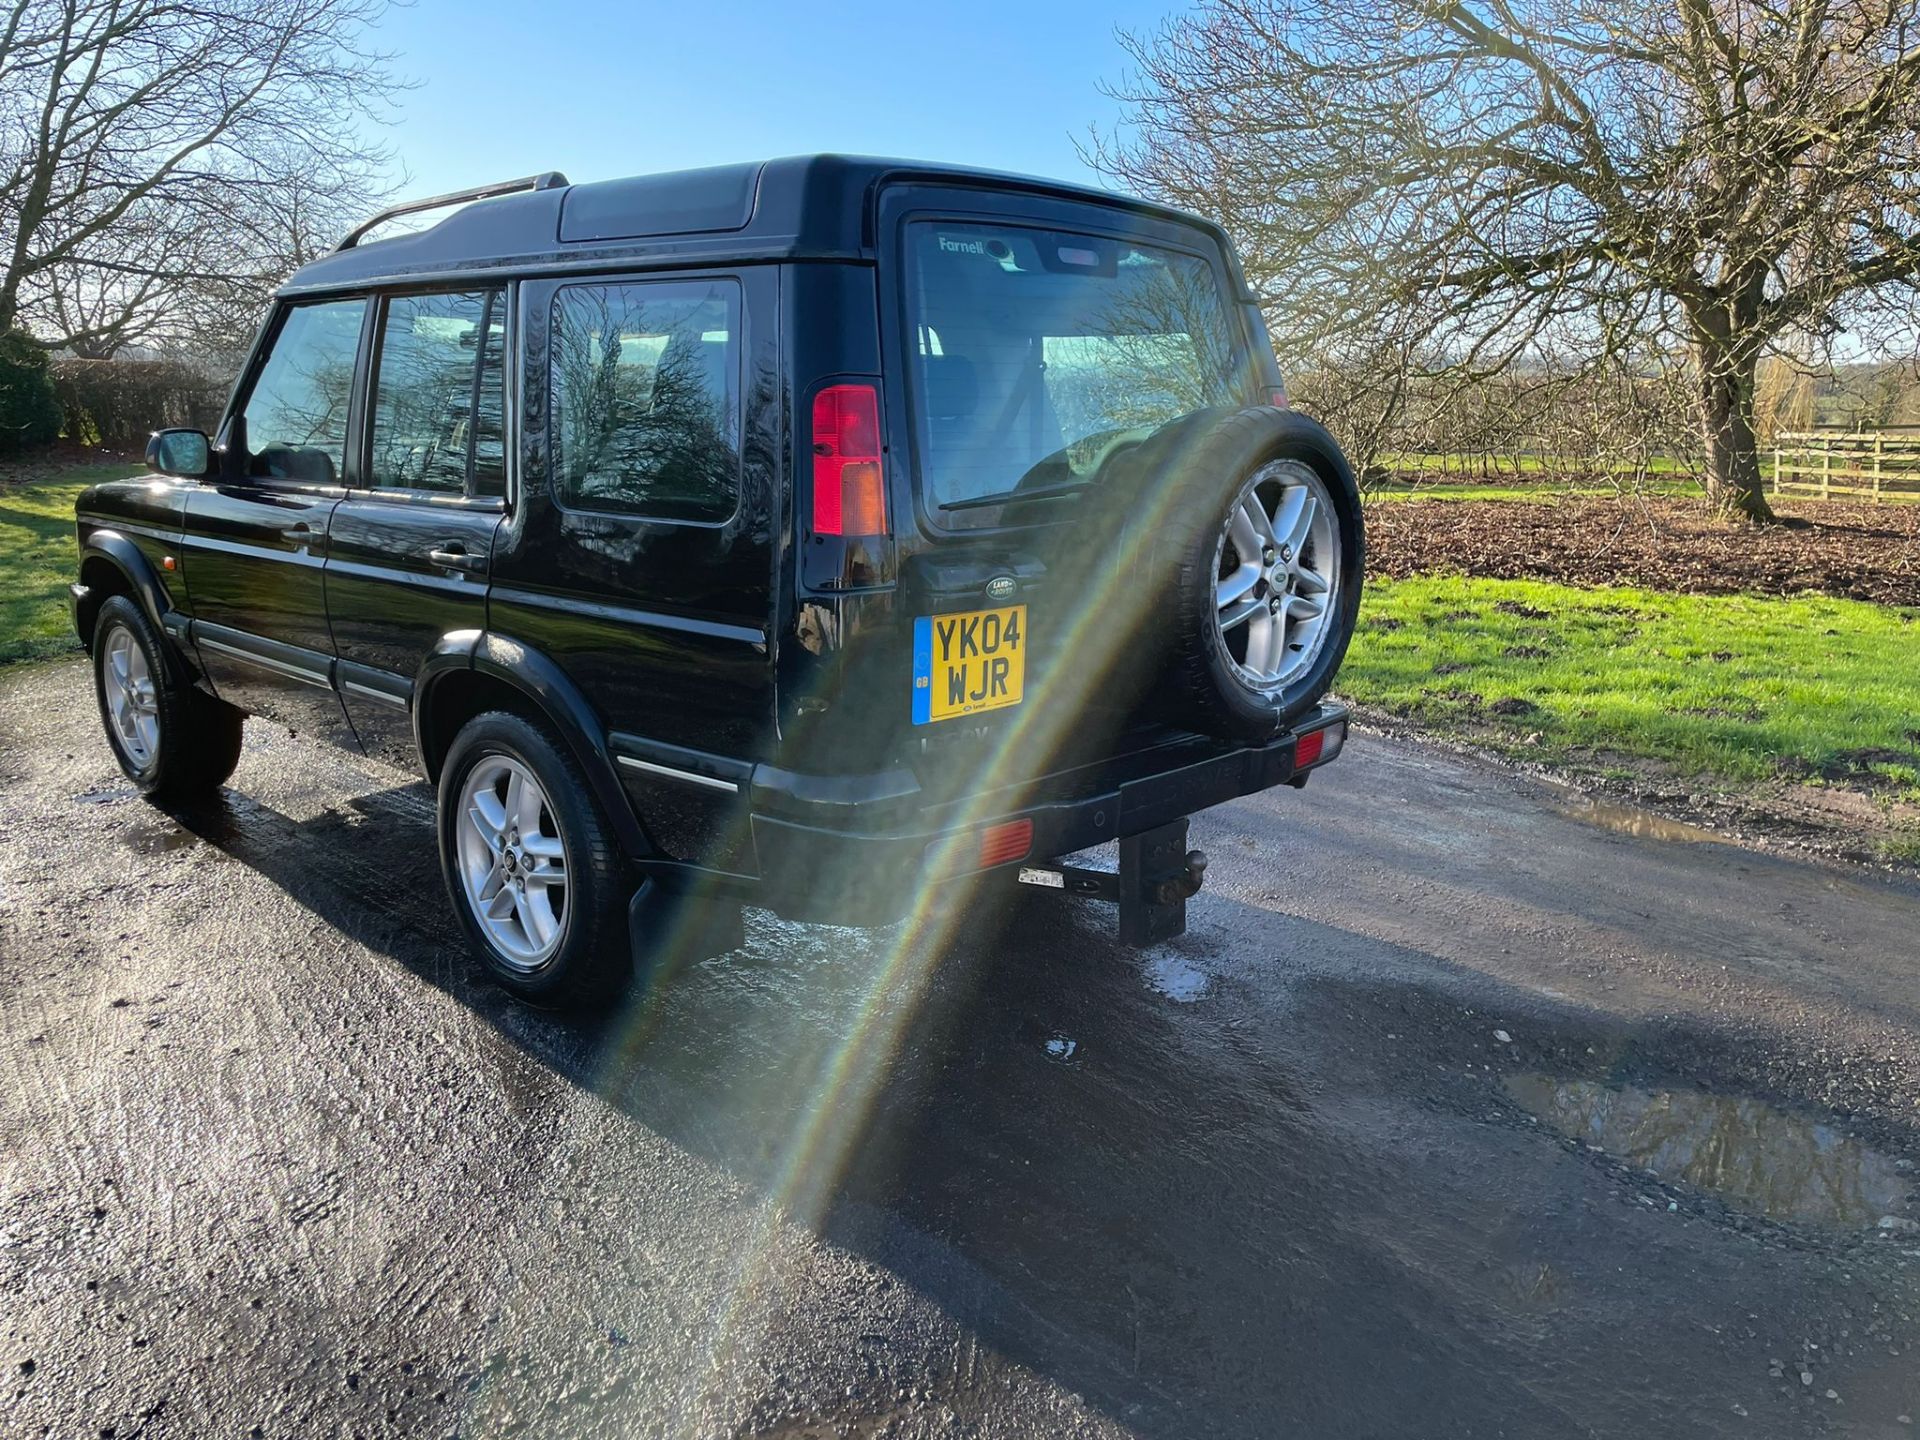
(513, 861)
(1278, 561)
(530, 863)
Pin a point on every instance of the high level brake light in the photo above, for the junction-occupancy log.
(849, 489)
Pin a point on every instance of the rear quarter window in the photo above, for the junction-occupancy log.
(646, 398)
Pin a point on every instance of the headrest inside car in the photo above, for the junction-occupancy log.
(952, 390)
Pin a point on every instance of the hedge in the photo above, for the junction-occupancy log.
(119, 402)
(29, 412)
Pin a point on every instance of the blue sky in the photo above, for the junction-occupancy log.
(599, 88)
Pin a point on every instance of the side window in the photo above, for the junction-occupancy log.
(296, 413)
(646, 404)
(490, 411)
(436, 389)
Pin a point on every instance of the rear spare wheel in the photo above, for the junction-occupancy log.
(1262, 559)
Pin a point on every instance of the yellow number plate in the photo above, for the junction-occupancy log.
(970, 662)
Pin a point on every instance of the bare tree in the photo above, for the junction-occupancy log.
(1631, 175)
(155, 156)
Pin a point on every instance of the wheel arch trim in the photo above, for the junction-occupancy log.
(543, 685)
(115, 549)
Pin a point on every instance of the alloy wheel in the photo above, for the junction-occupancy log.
(1278, 573)
(131, 703)
(513, 862)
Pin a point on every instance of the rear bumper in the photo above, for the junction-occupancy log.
(862, 850)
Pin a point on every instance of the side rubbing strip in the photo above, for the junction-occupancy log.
(264, 662)
(386, 697)
(709, 781)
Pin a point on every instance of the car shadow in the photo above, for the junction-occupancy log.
(1095, 1169)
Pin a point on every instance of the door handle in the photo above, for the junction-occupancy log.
(453, 556)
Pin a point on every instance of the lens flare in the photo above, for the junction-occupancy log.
(1098, 620)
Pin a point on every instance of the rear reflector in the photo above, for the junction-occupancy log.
(849, 484)
(1306, 749)
(1316, 747)
(1003, 844)
(1279, 399)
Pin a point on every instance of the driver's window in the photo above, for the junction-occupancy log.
(296, 413)
(428, 376)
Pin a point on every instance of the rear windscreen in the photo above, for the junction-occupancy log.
(1036, 352)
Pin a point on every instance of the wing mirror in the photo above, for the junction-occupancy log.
(187, 454)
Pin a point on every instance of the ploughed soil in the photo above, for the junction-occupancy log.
(1850, 551)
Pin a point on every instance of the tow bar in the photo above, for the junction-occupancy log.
(1157, 876)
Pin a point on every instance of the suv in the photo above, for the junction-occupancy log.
(833, 535)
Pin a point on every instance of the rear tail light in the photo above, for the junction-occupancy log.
(849, 487)
(1279, 398)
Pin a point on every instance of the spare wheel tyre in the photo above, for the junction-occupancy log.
(1264, 558)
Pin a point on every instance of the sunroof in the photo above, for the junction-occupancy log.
(687, 202)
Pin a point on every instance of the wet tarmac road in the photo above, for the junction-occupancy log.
(1372, 1151)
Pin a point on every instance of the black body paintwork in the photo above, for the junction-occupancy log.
(734, 692)
(390, 602)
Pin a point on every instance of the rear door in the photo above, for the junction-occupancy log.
(639, 551)
(1035, 347)
(255, 540)
(411, 542)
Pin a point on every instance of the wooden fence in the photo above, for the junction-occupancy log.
(1853, 465)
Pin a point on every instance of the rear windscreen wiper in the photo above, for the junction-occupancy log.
(1066, 490)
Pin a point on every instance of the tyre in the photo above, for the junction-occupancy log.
(530, 864)
(1261, 572)
(173, 741)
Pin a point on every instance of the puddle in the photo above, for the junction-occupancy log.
(105, 797)
(1763, 1160)
(158, 839)
(1177, 979)
(1061, 1049)
(1625, 819)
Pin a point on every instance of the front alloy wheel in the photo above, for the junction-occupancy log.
(173, 741)
(127, 694)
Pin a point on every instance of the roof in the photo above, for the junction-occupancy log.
(808, 206)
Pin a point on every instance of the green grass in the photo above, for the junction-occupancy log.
(1725, 686)
(37, 561)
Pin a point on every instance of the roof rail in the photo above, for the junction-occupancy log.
(548, 180)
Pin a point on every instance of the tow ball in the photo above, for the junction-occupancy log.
(1158, 875)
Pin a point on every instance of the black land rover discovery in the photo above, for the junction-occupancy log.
(836, 535)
